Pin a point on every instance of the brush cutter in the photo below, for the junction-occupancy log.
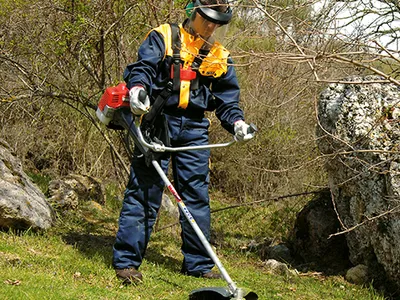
(122, 117)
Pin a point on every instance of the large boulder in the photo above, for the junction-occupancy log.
(359, 133)
(22, 204)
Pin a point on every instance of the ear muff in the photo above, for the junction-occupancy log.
(189, 9)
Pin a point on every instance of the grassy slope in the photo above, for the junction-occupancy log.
(73, 261)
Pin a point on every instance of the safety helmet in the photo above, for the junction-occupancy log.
(209, 13)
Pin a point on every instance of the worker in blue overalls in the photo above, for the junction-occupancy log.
(206, 82)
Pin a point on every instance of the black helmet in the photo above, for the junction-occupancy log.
(211, 14)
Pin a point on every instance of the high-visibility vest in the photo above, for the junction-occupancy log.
(215, 64)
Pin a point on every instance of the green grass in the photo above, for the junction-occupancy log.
(42, 181)
(73, 261)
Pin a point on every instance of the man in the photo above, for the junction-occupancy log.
(206, 82)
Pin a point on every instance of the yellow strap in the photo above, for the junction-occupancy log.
(165, 31)
(184, 94)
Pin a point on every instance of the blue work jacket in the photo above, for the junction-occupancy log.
(152, 70)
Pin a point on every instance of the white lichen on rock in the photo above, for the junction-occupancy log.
(359, 124)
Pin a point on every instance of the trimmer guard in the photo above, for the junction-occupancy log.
(219, 293)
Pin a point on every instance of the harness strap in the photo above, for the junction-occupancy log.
(148, 119)
(198, 60)
(176, 48)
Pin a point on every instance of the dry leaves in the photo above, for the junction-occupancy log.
(12, 282)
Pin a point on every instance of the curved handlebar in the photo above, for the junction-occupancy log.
(162, 148)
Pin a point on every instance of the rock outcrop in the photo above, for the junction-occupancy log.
(68, 192)
(359, 133)
(22, 204)
(311, 241)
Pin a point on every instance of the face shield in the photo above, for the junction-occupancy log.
(206, 20)
(212, 15)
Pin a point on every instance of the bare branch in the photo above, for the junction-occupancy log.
(368, 220)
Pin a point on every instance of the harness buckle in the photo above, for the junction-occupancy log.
(188, 74)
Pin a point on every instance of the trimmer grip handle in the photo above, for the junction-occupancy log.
(142, 96)
(252, 128)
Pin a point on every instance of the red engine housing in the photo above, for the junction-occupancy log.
(113, 98)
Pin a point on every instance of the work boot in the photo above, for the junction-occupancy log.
(211, 275)
(208, 275)
(129, 276)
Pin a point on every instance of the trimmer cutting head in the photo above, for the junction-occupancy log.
(220, 293)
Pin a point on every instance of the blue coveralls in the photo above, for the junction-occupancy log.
(187, 127)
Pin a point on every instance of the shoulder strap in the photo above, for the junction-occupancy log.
(157, 107)
(199, 58)
(176, 48)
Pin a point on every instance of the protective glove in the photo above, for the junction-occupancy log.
(243, 131)
(138, 100)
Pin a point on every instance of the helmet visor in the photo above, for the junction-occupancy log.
(213, 15)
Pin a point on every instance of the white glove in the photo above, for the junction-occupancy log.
(242, 131)
(138, 100)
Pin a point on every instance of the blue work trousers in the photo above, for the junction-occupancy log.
(143, 196)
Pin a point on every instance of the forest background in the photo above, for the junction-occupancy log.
(58, 57)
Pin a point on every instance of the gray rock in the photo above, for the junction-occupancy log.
(360, 125)
(277, 268)
(22, 204)
(67, 192)
(357, 274)
(169, 206)
(280, 253)
(310, 241)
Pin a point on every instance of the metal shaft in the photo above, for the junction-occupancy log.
(232, 286)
